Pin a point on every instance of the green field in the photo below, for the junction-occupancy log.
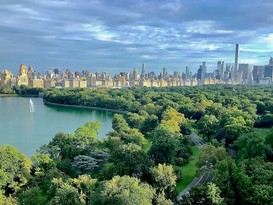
(262, 131)
(188, 171)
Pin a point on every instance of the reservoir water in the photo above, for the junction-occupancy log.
(28, 130)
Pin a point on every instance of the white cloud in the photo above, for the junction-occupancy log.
(20, 9)
(149, 57)
(204, 27)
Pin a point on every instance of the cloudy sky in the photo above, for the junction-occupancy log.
(118, 35)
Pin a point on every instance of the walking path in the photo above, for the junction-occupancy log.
(204, 178)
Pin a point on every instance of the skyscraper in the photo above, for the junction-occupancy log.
(220, 68)
(268, 71)
(245, 69)
(188, 72)
(204, 70)
(143, 71)
(199, 73)
(258, 72)
(271, 61)
(236, 57)
(135, 74)
(165, 73)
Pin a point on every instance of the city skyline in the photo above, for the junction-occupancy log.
(120, 35)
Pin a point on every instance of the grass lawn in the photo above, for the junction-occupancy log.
(262, 131)
(188, 171)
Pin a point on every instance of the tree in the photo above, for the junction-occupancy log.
(210, 155)
(269, 138)
(67, 194)
(264, 121)
(160, 199)
(164, 178)
(119, 124)
(208, 194)
(124, 132)
(32, 196)
(232, 181)
(164, 147)
(83, 164)
(14, 169)
(5, 89)
(269, 143)
(172, 119)
(261, 194)
(135, 121)
(86, 136)
(7, 200)
(72, 191)
(124, 190)
(42, 162)
(85, 185)
(208, 125)
(130, 159)
(251, 145)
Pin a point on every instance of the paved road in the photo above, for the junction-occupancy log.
(204, 178)
(199, 142)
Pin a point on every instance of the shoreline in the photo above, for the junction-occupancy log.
(17, 95)
(85, 107)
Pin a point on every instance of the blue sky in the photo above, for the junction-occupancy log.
(118, 35)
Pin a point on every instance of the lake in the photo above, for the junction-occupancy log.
(30, 130)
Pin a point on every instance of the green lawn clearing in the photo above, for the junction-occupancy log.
(188, 171)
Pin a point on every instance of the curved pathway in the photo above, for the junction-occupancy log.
(204, 178)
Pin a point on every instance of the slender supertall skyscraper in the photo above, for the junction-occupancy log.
(143, 71)
(236, 57)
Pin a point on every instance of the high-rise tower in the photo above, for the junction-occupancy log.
(165, 73)
(220, 68)
(204, 70)
(143, 71)
(135, 74)
(236, 57)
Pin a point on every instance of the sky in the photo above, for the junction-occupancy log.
(119, 35)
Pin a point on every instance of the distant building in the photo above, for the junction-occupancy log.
(135, 74)
(245, 69)
(143, 71)
(65, 83)
(236, 57)
(199, 73)
(188, 72)
(82, 83)
(165, 73)
(268, 71)
(204, 70)
(258, 73)
(5, 77)
(36, 83)
(22, 78)
(271, 61)
(49, 83)
(122, 79)
(220, 68)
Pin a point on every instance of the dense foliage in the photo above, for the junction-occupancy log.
(134, 164)
(20, 90)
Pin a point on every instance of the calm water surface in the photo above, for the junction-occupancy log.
(29, 130)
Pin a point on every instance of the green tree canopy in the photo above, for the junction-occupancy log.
(124, 190)
(14, 169)
(165, 145)
(164, 178)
